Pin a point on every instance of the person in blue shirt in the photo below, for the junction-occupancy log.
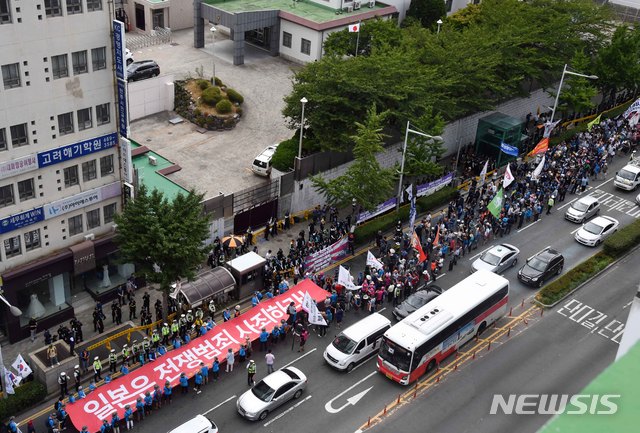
(176, 343)
(254, 300)
(128, 417)
(105, 427)
(210, 323)
(51, 421)
(226, 315)
(205, 372)
(12, 427)
(140, 408)
(242, 353)
(215, 368)
(264, 337)
(275, 335)
(198, 382)
(334, 298)
(148, 403)
(152, 354)
(283, 330)
(72, 398)
(259, 296)
(269, 294)
(157, 396)
(115, 422)
(141, 358)
(124, 370)
(166, 394)
(107, 379)
(184, 383)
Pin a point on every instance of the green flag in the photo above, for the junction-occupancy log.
(496, 204)
(595, 121)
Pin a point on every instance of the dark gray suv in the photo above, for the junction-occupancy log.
(143, 69)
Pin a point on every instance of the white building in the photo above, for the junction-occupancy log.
(59, 168)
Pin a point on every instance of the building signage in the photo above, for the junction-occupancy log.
(81, 200)
(84, 257)
(119, 48)
(76, 150)
(125, 160)
(123, 115)
(22, 219)
(18, 166)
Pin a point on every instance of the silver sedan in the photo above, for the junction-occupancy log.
(497, 259)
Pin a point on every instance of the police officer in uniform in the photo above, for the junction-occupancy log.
(134, 351)
(175, 328)
(183, 325)
(97, 368)
(113, 360)
(77, 375)
(145, 346)
(165, 330)
(212, 308)
(189, 317)
(126, 355)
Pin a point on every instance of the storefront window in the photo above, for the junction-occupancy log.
(107, 275)
(44, 296)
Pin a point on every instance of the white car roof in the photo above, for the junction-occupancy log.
(502, 250)
(266, 154)
(604, 220)
(588, 200)
(278, 378)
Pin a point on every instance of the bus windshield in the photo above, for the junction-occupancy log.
(395, 355)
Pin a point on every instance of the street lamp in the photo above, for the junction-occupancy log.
(213, 45)
(404, 151)
(16, 312)
(439, 23)
(303, 101)
(567, 71)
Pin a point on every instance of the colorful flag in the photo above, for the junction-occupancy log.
(21, 367)
(436, 240)
(508, 149)
(508, 177)
(495, 207)
(354, 28)
(415, 243)
(483, 173)
(633, 108)
(345, 279)
(538, 170)
(548, 128)
(373, 262)
(541, 147)
(8, 381)
(595, 121)
(309, 305)
(412, 207)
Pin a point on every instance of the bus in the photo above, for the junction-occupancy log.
(418, 343)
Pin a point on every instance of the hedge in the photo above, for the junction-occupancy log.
(284, 156)
(203, 84)
(622, 241)
(26, 396)
(211, 95)
(224, 106)
(234, 96)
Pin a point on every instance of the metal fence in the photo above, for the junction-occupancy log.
(255, 195)
(158, 36)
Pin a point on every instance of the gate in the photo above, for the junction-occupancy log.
(254, 206)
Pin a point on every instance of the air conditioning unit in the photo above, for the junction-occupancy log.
(356, 5)
(89, 237)
(372, 4)
(348, 8)
(153, 160)
(114, 227)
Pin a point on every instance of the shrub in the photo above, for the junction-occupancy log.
(224, 106)
(27, 395)
(284, 156)
(203, 84)
(197, 112)
(438, 198)
(622, 241)
(234, 96)
(217, 81)
(211, 96)
(239, 111)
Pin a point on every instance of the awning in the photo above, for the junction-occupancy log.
(211, 283)
(247, 262)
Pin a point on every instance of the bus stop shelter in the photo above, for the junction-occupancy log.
(211, 284)
(247, 270)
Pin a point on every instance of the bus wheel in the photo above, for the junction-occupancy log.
(431, 366)
(481, 329)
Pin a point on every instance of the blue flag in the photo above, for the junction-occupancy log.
(509, 150)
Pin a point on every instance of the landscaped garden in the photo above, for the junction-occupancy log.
(211, 106)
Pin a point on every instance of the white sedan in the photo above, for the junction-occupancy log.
(597, 230)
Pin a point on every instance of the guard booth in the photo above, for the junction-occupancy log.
(497, 128)
(217, 284)
(248, 271)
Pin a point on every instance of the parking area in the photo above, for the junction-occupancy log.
(218, 161)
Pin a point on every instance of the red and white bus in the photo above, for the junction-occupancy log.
(419, 342)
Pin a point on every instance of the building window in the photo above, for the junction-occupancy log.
(71, 176)
(74, 7)
(12, 247)
(79, 61)
(109, 212)
(19, 135)
(60, 66)
(11, 75)
(53, 8)
(26, 189)
(5, 12)
(305, 47)
(32, 240)
(75, 225)
(89, 171)
(65, 123)
(157, 17)
(93, 218)
(99, 58)
(103, 114)
(94, 5)
(106, 165)
(3, 139)
(6, 195)
(84, 119)
(448, 5)
(286, 39)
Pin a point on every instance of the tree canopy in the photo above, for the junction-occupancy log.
(427, 12)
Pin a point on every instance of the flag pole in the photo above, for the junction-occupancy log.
(358, 38)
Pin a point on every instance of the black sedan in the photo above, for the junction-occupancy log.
(415, 301)
(541, 267)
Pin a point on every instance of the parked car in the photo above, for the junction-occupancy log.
(271, 392)
(540, 267)
(415, 301)
(583, 209)
(199, 424)
(142, 69)
(262, 163)
(128, 56)
(497, 259)
(597, 230)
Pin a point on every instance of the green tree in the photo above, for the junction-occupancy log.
(577, 92)
(365, 180)
(164, 239)
(423, 153)
(618, 63)
(375, 34)
(427, 11)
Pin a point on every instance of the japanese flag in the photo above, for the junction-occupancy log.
(354, 28)
(508, 177)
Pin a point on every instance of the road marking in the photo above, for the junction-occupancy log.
(579, 313)
(524, 228)
(441, 275)
(375, 356)
(217, 406)
(480, 253)
(300, 357)
(382, 309)
(350, 401)
(287, 411)
(328, 406)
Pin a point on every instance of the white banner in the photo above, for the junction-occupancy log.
(21, 367)
(483, 173)
(508, 177)
(309, 305)
(18, 166)
(632, 108)
(345, 279)
(81, 200)
(373, 262)
(538, 170)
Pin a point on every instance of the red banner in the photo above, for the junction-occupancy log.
(113, 397)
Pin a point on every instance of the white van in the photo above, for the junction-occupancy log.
(628, 178)
(357, 342)
(262, 164)
(199, 424)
